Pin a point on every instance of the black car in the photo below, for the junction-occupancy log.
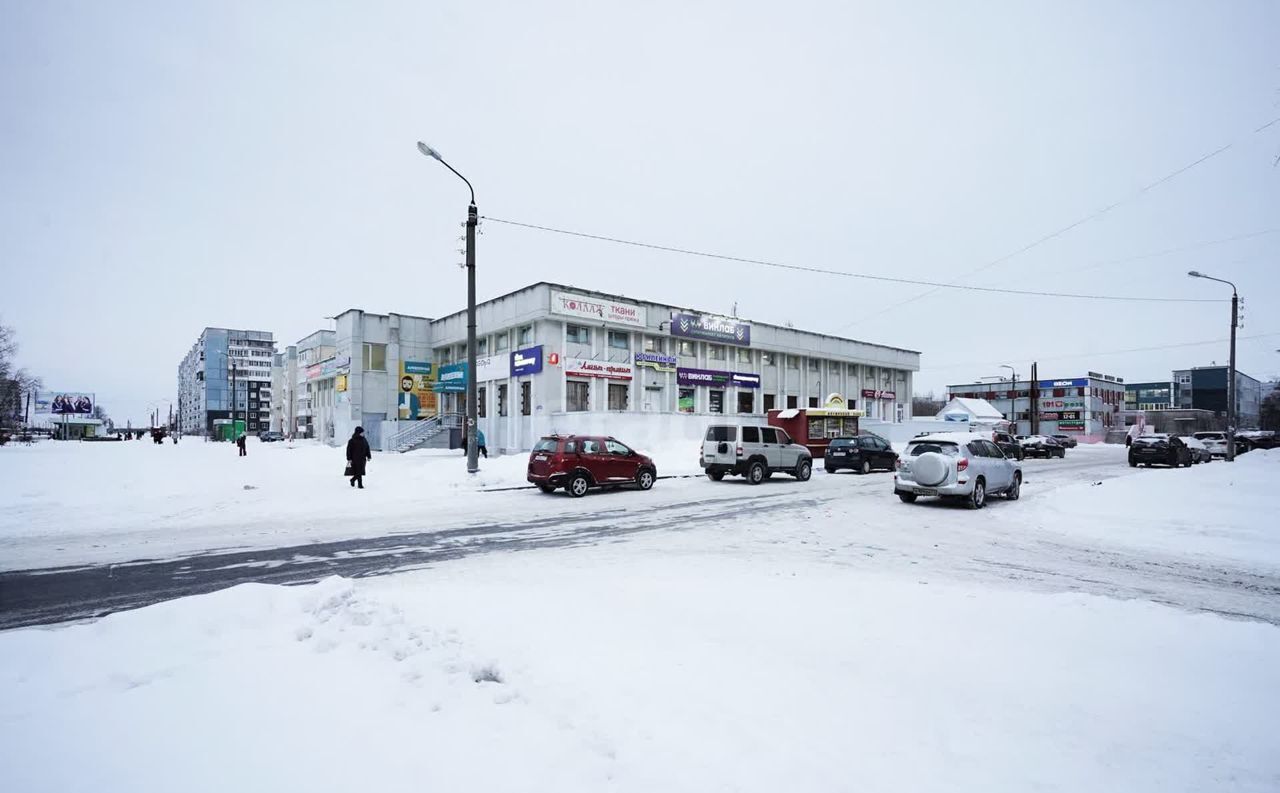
(1008, 444)
(862, 454)
(1065, 440)
(1159, 450)
(1042, 446)
(269, 436)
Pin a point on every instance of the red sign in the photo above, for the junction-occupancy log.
(871, 393)
(554, 359)
(583, 367)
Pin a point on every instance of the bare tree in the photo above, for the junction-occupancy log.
(15, 383)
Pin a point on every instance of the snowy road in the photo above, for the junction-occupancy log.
(844, 519)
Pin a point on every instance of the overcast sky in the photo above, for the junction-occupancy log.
(168, 166)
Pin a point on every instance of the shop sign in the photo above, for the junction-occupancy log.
(313, 371)
(1069, 415)
(493, 367)
(1071, 425)
(701, 377)
(709, 328)
(416, 367)
(1062, 404)
(340, 383)
(451, 378)
(653, 360)
(417, 398)
(1079, 382)
(527, 361)
(597, 309)
(745, 380)
(582, 367)
(871, 393)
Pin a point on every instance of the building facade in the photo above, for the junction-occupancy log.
(1205, 388)
(220, 358)
(553, 358)
(1086, 406)
(1156, 395)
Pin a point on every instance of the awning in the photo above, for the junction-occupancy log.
(789, 413)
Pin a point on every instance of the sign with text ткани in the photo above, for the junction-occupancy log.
(597, 309)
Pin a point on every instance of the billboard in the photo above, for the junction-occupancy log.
(708, 328)
(451, 378)
(416, 400)
(64, 403)
(597, 309)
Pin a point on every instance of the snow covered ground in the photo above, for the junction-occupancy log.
(1073, 640)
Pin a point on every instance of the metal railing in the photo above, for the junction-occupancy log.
(422, 431)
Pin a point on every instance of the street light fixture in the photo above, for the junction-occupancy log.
(1231, 371)
(473, 451)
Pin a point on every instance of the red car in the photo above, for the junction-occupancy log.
(580, 462)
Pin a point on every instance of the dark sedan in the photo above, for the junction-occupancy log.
(1159, 450)
(1066, 440)
(862, 454)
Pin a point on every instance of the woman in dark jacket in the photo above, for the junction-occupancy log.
(357, 453)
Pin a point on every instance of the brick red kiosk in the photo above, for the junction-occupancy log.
(815, 427)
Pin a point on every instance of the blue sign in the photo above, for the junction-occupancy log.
(721, 329)
(526, 361)
(417, 367)
(653, 360)
(1079, 382)
(451, 378)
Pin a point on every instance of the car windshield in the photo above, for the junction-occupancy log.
(918, 448)
(545, 445)
(722, 434)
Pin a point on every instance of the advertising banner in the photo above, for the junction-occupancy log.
(493, 367)
(654, 360)
(451, 378)
(64, 403)
(581, 367)
(712, 377)
(1075, 403)
(527, 361)
(708, 328)
(417, 400)
(1079, 382)
(597, 309)
(871, 393)
(744, 380)
(1071, 425)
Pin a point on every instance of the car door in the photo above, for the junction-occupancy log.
(772, 449)
(1001, 464)
(592, 457)
(788, 452)
(623, 463)
(884, 457)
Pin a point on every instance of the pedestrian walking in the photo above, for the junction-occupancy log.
(484, 450)
(357, 455)
(241, 442)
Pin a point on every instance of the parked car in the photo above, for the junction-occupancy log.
(1008, 444)
(963, 465)
(1199, 452)
(1041, 446)
(754, 451)
(1259, 439)
(1216, 441)
(580, 462)
(1066, 440)
(270, 437)
(1159, 449)
(863, 454)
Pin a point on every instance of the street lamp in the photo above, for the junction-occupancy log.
(1231, 372)
(1013, 395)
(473, 451)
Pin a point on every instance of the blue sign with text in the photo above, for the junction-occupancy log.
(526, 361)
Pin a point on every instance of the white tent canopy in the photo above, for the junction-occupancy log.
(963, 409)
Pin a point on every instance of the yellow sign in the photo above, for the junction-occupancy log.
(417, 400)
(340, 383)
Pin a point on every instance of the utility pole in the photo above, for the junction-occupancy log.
(1231, 379)
(232, 364)
(1034, 391)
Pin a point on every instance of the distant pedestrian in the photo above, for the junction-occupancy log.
(480, 443)
(357, 455)
(240, 442)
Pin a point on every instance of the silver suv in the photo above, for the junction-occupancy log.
(754, 451)
(956, 464)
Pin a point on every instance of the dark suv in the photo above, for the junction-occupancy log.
(580, 462)
(1159, 449)
(862, 454)
(1008, 444)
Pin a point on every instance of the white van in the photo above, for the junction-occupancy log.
(756, 451)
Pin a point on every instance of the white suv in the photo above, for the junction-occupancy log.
(965, 465)
(754, 451)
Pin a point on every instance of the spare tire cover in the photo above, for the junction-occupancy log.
(931, 468)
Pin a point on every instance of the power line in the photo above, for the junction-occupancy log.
(847, 274)
(1191, 246)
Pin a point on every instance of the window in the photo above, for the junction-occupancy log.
(618, 340)
(715, 352)
(750, 434)
(687, 349)
(685, 400)
(1059, 392)
(744, 355)
(766, 359)
(833, 367)
(768, 435)
(618, 395)
(482, 346)
(792, 402)
(579, 395)
(746, 402)
(716, 398)
(481, 401)
(375, 357)
(525, 335)
(570, 447)
(526, 398)
(576, 334)
(613, 447)
(813, 402)
(815, 365)
(590, 446)
(653, 345)
(768, 402)
(500, 341)
(502, 399)
(722, 434)
(793, 362)
(784, 438)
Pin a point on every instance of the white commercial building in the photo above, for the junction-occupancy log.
(554, 358)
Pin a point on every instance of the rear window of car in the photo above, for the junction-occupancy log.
(722, 433)
(546, 445)
(941, 447)
(1143, 440)
(840, 443)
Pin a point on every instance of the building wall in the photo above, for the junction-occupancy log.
(204, 382)
(1101, 403)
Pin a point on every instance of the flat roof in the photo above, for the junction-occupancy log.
(594, 292)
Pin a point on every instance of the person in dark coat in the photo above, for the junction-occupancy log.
(241, 441)
(357, 455)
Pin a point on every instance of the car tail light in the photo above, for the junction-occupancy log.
(898, 464)
(962, 463)
(739, 451)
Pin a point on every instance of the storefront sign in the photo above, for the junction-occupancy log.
(597, 309)
(1071, 425)
(707, 328)
(416, 399)
(582, 367)
(340, 383)
(745, 380)
(871, 393)
(451, 378)
(527, 361)
(1069, 415)
(1079, 382)
(63, 403)
(416, 367)
(712, 377)
(1062, 404)
(313, 371)
(653, 360)
(493, 367)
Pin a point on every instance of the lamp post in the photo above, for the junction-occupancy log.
(473, 451)
(1231, 371)
(1013, 395)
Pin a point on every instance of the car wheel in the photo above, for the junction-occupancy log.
(829, 469)
(578, 486)
(1021, 455)
(908, 498)
(645, 479)
(804, 469)
(865, 468)
(1015, 490)
(546, 488)
(1133, 463)
(755, 474)
(978, 498)
(715, 476)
